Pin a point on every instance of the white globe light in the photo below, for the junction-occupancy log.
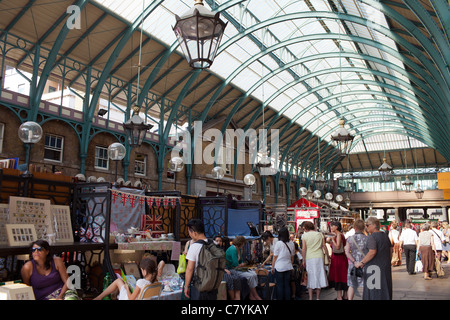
(30, 132)
(116, 151)
(249, 179)
(317, 194)
(176, 164)
(218, 173)
(303, 191)
(339, 198)
(329, 196)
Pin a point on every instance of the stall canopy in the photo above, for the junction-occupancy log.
(303, 201)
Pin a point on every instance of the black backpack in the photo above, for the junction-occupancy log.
(210, 266)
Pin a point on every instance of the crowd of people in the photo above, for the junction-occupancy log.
(359, 260)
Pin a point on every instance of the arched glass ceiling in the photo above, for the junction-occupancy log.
(309, 54)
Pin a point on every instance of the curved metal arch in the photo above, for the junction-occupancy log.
(341, 16)
(409, 105)
(312, 134)
(406, 121)
(428, 23)
(412, 132)
(351, 55)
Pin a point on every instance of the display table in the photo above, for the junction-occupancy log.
(148, 245)
(171, 295)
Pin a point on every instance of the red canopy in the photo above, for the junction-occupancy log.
(305, 202)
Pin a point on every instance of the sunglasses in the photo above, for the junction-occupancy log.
(36, 248)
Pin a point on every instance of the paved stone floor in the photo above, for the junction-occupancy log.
(409, 287)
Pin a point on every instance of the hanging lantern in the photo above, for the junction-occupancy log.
(385, 171)
(199, 32)
(407, 184)
(136, 128)
(342, 139)
(419, 192)
(319, 182)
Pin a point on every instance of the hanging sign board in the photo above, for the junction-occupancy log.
(305, 214)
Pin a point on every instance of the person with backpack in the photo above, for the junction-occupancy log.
(205, 266)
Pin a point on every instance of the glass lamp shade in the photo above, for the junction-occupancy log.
(199, 32)
(342, 139)
(176, 164)
(407, 184)
(419, 192)
(136, 128)
(30, 132)
(347, 201)
(249, 179)
(303, 191)
(317, 194)
(339, 198)
(319, 182)
(329, 196)
(385, 171)
(116, 151)
(218, 173)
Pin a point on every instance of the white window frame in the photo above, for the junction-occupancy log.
(268, 188)
(103, 159)
(141, 163)
(54, 148)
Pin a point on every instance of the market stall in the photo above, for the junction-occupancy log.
(303, 210)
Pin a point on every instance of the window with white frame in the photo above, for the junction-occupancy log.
(101, 157)
(53, 148)
(140, 165)
(2, 133)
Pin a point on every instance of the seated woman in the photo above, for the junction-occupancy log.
(234, 260)
(148, 269)
(46, 274)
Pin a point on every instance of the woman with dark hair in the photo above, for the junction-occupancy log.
(269, 242)
(283, 257)
(337, 275)
(46, 274)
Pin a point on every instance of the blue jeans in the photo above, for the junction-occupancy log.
(283, 280)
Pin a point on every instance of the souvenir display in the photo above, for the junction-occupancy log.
(31, 211)
(4, 219)
(20, 234)
(62, 223)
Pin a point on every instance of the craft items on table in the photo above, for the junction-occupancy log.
(62, 223)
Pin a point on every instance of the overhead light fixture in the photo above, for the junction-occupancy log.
(199, 32)
(385, 171)
(407, 184)
(101, 112)
(419, 192)
(136, 128)
(342, 139)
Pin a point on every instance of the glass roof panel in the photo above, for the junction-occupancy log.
(249, 13)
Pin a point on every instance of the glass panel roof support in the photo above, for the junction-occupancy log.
(427, 45)
(416, 52)
(324, 55)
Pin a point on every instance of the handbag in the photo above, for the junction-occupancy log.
(326, 257)
(181, 264)
(340, 250)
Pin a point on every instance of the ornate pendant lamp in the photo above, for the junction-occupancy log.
(199, 32)
(385, 171)
(136, 128)
(342, 139)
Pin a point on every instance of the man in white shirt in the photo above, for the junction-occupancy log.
(408, 243)
(196, 231)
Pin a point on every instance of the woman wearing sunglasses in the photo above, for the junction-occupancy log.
(45, 273)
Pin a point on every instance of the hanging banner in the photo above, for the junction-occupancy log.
(134, 199)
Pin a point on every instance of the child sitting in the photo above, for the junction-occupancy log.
(149, 272)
